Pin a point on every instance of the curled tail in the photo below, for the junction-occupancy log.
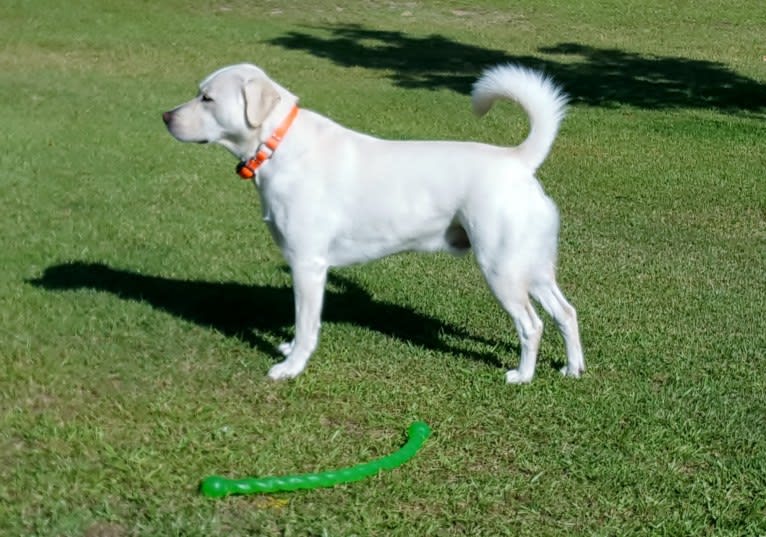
(541, 99)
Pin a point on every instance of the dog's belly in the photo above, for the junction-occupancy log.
(366, 243)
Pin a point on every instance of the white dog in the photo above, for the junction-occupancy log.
(332, 196)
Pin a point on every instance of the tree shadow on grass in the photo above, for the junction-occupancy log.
(251, 312)
(592, 76)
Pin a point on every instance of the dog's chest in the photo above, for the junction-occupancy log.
(268, 218)
(272, 220)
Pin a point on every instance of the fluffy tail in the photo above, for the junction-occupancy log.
(541, 99)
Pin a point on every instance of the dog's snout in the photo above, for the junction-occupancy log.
(166, 117)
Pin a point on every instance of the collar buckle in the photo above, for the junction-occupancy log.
(247, 169)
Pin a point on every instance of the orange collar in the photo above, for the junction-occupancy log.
(246, 169)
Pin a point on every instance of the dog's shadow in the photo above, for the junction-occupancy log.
(258, 314)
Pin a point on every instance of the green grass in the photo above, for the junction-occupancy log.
(141, 296)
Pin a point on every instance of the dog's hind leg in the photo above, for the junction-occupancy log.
(308, 287)
(512, 295)
(549, 295)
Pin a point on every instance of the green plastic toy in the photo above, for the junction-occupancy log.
(218, 487)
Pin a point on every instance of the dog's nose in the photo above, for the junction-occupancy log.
(166, 117)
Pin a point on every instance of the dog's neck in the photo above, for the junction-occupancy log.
(265, 148)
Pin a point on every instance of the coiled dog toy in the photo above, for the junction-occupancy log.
(218, 487)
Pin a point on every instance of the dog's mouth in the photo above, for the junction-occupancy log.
(201, 141)
(168, 119)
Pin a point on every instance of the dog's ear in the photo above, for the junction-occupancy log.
(260, 99)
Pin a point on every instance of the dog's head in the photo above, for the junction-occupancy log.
(233, 107)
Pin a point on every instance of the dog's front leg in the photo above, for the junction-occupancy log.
(308, 287)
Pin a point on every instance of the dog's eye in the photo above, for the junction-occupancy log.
(206, 98)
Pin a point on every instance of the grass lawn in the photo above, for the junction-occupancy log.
(141, 297)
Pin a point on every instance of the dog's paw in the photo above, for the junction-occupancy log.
(284, 370)
(514, 376)
(573, 372)
(286, 348)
